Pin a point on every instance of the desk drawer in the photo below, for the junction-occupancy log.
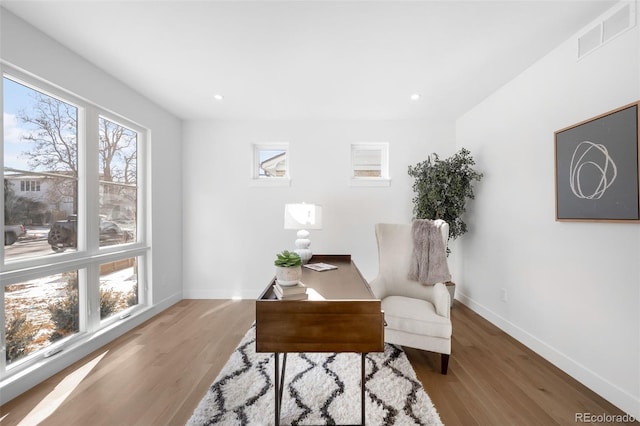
(319, 326)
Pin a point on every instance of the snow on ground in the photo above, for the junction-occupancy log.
(32, 298)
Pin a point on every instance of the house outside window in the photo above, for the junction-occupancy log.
(78, 191)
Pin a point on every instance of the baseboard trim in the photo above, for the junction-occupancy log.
(21, 382)
(220, 294)
(622, 399)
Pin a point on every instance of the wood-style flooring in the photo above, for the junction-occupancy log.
(157, 373)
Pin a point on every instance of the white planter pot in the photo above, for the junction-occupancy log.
(288, 275)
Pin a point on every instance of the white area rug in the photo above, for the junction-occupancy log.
(319, 388)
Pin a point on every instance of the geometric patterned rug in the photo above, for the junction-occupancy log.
(319, 389)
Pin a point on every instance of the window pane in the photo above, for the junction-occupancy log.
(40, 169)
(118, 183)
(118, 286)
(272, 163)
(40, 312)
(367, 162)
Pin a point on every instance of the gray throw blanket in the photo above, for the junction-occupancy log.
(429, 257)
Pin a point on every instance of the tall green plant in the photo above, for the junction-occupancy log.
(442, 188)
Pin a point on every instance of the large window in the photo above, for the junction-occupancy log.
(75, 261)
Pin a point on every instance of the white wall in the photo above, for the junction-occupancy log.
(232, 231)
(23, 46)
(573, 288)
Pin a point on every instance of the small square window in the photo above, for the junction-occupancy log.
(370, 164)
(270, 164)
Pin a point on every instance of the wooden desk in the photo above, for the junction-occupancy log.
(341, 315)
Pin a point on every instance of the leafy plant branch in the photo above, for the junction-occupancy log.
(442, 188)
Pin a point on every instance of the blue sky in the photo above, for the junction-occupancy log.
(16, 97)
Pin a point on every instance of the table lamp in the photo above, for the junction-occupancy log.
(302, 217)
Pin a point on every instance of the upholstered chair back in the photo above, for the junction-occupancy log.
(395, 248)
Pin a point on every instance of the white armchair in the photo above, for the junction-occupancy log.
(416, 315)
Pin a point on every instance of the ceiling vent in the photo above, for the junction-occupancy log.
(613, 24)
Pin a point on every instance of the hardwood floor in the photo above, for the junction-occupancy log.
(495, 380)
(154, 375)
(157, 373)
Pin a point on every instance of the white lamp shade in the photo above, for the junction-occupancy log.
(302, 216)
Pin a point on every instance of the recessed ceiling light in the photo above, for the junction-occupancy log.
(218, 97)
(415, 96)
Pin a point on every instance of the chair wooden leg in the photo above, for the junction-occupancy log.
(444, 363)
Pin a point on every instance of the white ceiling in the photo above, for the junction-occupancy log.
(311, 59)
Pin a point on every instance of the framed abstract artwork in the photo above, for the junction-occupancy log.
(596, 168)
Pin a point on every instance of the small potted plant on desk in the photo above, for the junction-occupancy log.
(288, 268)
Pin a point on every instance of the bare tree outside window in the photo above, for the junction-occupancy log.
(53, 135)
(118, 183)
(118, 153)
(52, 138)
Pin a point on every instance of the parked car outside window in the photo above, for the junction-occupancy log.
(12, 233)
(64, 234)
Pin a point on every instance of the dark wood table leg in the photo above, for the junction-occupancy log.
(276, 388)
(284, 367)
(362, 378)
(278, 384)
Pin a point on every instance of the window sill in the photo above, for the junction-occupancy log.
(370, 182)
(38, 369)
(271, 182)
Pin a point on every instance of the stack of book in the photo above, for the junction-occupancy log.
(291, 292)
